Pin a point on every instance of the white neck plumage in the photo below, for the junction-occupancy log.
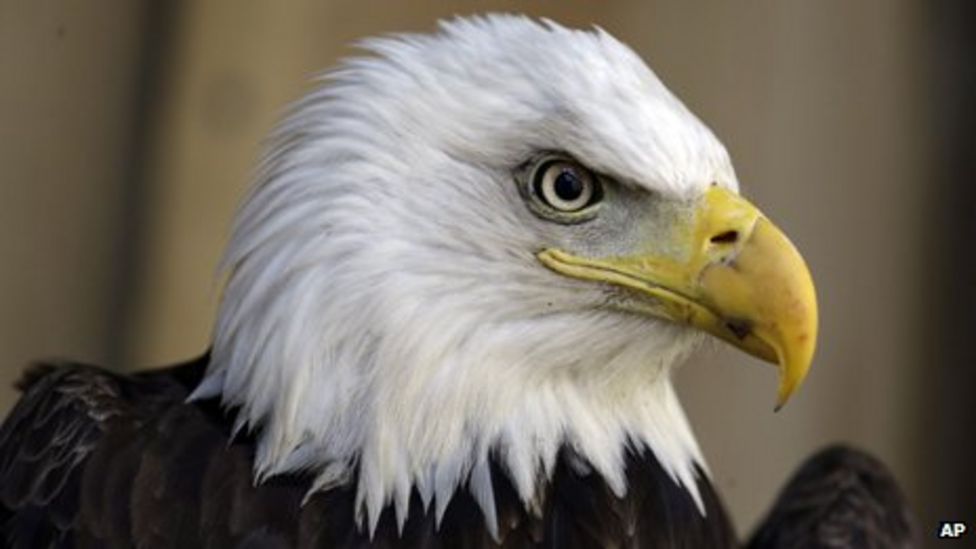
(430, 420)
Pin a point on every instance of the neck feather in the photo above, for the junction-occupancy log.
(436, 429)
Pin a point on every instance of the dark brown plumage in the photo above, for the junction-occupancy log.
(840, 498)
(94, 459)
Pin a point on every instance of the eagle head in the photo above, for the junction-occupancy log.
(491, 242)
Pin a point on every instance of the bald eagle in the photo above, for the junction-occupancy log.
(454, 300)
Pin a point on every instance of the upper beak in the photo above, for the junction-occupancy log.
(728, 271)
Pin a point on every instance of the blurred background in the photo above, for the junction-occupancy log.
(128, 131)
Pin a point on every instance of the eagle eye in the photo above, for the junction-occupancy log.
(565, 185)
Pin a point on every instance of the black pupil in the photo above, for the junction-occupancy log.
(568, 185)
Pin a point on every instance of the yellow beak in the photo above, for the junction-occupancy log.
(727, 270)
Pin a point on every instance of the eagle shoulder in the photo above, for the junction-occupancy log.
(840, 497)
(63, 464)
(63, 413)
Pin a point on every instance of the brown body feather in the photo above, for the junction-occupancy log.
(94, 459)
(840, 498)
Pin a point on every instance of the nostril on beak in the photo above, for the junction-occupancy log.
(728, 237)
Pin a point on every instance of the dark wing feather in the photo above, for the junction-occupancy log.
(45, 438)
(70, 417)
(839, 498)
(93, 459)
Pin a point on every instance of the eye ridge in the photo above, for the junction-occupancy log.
(566, 186)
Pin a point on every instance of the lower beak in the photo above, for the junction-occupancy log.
(729, 272)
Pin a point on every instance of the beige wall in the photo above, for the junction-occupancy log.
(816, 101)
(67, 94)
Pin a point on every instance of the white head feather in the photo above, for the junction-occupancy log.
(385, 310)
